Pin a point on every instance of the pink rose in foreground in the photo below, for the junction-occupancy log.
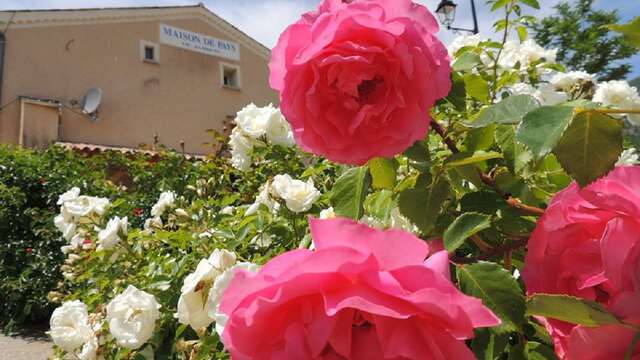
(362, 294)
(587, 244)
(357, 79)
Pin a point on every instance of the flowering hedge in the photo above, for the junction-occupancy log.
(493, 211)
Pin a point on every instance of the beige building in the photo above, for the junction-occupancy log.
(166, 72)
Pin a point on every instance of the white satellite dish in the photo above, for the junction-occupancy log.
(91, 103)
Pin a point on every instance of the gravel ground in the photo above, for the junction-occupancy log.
(31, 345)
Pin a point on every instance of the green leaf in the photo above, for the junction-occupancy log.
(590, 146)
(466, 61)
(461, 159)
(508, 111)
(422, 205)
(533, 3)
(350, 191)
(458, 94)
(570, 309)
(480, 139)
(542, 128)
(498, 290)
(499, 4)
(515, 154)
(418, 152)
(522, 33)
(383, 173)
(630, 31)
(463, 227)
(489, 346)
(380, 204)
(532, 350)
(476, 87)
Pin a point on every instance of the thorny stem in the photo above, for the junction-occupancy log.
(487, 179)
(500, 250)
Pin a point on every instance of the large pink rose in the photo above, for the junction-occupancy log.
(587, 244)
(362, 294)
(357, 79)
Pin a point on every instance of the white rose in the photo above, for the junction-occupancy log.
(251, 121)
(195, 289)
(132, 317)
(566, 81)
(84, 206)
(298, 195)
(217, 292)
(263, 198)
(327, 213)
(278, 130)
(110, 235)
(69, 195)
(167, 199)
(69, 325)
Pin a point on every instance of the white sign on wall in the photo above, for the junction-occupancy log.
(201, 43)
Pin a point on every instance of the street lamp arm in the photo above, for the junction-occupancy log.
(473, 31)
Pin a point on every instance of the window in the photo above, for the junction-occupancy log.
(149, 52)
(230, 76)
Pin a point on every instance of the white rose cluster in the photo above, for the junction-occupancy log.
(71, 330)
(525, 53)
(202, 290)
(619, 94)
(131, 316)
(560, 87)
(76, 209)
(253, 124)
(297, 195)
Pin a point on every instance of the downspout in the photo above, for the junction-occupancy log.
(3, 42)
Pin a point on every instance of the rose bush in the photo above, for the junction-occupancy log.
(420, 251)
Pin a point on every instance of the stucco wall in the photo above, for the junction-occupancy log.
(179, 99)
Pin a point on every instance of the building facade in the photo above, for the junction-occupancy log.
(165, 73)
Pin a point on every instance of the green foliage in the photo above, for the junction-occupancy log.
(583, 40)
(570, 309)
(350, 191)
(542, 128)
(498, 290)
(463, 227)
(590, 146)
(508, 111)
(630, 31)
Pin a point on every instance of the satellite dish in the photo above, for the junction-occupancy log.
(91, 103)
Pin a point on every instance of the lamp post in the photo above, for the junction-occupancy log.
(446, 12)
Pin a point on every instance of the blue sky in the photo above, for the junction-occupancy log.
(265, 19)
